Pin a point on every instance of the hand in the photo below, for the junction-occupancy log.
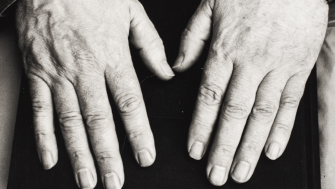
(71, 49)
(261, 55)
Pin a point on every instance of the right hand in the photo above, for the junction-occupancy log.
(71, 49)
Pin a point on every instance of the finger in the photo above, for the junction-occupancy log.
(43, 122)
(258, 126)
(127, 95)
(145, 38)
(194, 36)
(217, 72)
(74, 134)
(97, 112)
(234, 113)
(282, 127)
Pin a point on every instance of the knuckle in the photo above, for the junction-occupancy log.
(282, 128)
(128, 103)
(235, 110)
(224, 150)
(187, 34)
(157, 42)
(41, 136)
(39, 107)
(153, 42)
(33, 56)
(73, 138)
(70, 120)
(201, 131)
(96, 119)
(105, 157)
(250, 148)
(138, 135)
(290, 101)
(205, 128)
(78, 156)
(264, 109)
(210, 94)
(217, 46)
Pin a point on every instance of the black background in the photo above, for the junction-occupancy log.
(170, 106)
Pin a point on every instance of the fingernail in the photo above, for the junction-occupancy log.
(273, 150)
(197, 150)
(47, 160)
(179, 61)
(167, 70)
(112, 181)
(85, 178)
(144, 158)
(241, 171)
(217, 175)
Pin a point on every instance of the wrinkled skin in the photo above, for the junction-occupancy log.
(71, 50)
(261, 55)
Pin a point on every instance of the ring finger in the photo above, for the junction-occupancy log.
(258, 126)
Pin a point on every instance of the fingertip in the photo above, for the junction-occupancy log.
(197, 150)
(155, 61)
(113, 177)
(47, 150)
(144, 158)
(144, 149)
(183, 63)
(48, 160)
(273, 151)
(86, 178)
(238, 181)
(217, 175)
(112, 181)
(214, 183)
(241, 171)
(179, 61)
(167, 71)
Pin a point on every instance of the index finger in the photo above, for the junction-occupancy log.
(214, 82)
(126, 91)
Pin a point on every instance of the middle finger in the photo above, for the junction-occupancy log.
(125, 88)
(234, 114)
(97, 113)
(73, 130)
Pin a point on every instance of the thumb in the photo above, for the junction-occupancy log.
(194, 36)
(144, 37)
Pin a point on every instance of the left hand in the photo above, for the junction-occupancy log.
(261, 55)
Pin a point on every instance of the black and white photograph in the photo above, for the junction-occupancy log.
(167, 94)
